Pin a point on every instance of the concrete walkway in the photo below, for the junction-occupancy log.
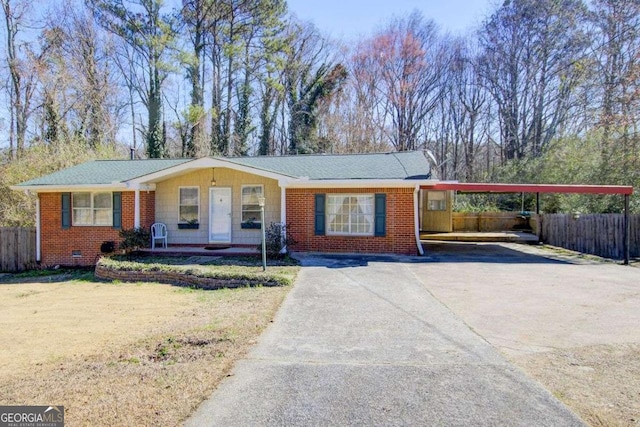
(363, 343)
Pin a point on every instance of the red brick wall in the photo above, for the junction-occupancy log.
(147, 208)
(400, 233)
(57, 243)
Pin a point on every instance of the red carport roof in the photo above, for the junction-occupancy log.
(530, 188)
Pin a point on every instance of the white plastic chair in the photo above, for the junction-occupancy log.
(158, 232)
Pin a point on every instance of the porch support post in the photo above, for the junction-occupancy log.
(537, 203)
(627, 230)
(283, 215)
(38, 228)
(136, 210)
(283, 204)
(416, 219)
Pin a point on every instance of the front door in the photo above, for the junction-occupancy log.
(219, 215)
(436, 211)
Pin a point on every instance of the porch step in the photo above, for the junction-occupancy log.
(494, 236)
(202, 251)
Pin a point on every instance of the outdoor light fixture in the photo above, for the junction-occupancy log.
(264, 246)
(213, 177)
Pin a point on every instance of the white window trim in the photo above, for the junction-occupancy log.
(179, 204)
(242, 187)
(373, 215)
(92, 194)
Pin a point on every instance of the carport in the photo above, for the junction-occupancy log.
(537, 189)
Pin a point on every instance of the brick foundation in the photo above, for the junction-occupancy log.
(400, 233)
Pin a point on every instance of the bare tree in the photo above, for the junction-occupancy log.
(402, 69)
(616, 54)
(78, 87)
(530, 65)
(21, 62)
(459, 116)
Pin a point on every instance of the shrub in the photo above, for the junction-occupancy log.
(278, 240)
(134, 238)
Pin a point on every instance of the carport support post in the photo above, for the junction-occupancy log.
(627, 229)
(263, 245)
(537, 203)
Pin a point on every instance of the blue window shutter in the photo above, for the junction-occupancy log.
(380, 215)
(117, 210)
(320, 215)
(66, 210)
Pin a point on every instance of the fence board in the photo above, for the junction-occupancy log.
(17, 248)
(601, 234)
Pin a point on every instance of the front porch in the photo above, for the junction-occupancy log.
(204, 250)
(486, 236)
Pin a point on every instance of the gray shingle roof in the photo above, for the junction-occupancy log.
(404, 165)
(104, 172)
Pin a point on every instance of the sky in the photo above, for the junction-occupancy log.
(347, 19)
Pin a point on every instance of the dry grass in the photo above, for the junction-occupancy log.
(600, 383)
(124, 354)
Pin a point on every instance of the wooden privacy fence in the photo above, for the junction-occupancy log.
(17, 248)
(601, 234)
(492, 221)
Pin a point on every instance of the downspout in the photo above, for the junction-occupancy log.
(38, 239)
(136, 210)
(416, 219)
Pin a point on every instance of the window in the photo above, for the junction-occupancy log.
(189, 205)
(250, 206)
(436, 200)
(92, 208)
(351, 214)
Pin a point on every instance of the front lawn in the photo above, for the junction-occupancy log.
(124, 353)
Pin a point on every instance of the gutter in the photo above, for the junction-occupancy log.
(356, 183)
(66, 188)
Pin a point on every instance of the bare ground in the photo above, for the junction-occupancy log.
(601, 383)
(124, 354)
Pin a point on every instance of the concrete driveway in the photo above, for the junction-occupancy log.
(523, 299)
(363, 342)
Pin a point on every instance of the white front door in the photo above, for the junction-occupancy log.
(219, 215)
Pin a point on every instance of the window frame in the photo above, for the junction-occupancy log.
(190, 187)
(92, 208)
(443, 202)
(371, 215)
(242, 204)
